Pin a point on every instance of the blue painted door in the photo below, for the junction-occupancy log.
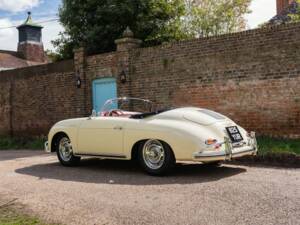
(103, 89)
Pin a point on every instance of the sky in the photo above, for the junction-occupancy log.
(14, 12)
(262, 11)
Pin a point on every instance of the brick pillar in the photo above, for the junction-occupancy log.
(80, 77)
(125, 45)
(127, 42)
(282, 5)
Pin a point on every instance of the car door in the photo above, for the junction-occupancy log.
(101, 136)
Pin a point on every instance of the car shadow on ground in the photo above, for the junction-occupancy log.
(128, 173)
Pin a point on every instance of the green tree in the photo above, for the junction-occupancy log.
(214, 17)
(95, 24)
(53, 56)
(295, 17)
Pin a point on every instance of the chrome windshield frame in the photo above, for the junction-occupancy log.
(116, 100)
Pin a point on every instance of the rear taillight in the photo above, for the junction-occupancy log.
(210, 141)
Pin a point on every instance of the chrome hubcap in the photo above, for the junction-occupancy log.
(153, 154)
(65, 149)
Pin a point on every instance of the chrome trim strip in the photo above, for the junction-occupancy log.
(102, 155)
(223, 154)
(230, 151)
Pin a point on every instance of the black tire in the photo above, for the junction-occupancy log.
(69, 161)
(164, 166)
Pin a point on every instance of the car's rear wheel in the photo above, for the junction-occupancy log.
(156, 157)
(65, 152)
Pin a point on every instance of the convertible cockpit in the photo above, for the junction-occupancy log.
(118, 113)
(127, 108)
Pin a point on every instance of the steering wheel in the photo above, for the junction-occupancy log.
(115, 112)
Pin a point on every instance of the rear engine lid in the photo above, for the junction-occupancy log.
(203, 116)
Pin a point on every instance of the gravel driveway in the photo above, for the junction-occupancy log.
(117, 192)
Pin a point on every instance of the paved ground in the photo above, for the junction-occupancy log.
(115, 192)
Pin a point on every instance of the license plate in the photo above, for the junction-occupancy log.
(234, 134)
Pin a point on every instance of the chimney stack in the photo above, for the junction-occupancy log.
(282, 5)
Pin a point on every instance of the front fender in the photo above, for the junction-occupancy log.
(69, 128)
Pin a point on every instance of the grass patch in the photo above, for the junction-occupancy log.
(268, 145)
(7, 143)
(10, 216)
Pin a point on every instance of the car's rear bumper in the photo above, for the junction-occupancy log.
(230, 152)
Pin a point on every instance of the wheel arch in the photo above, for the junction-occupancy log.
(135, 147)
(55, 138)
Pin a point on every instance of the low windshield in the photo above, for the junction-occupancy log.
(128, 104)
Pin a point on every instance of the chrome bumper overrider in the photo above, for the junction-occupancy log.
(46, 146)
(230, 151)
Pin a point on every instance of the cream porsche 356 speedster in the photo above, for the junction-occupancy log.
(131, 128)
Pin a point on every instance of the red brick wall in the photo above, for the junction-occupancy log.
(282, 5)
(253, 77)
(106, 65)
(32, 52)
(34, 98)
(5, 109)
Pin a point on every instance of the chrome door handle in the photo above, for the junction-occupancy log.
(118, 128)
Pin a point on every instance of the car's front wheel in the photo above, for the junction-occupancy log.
(156, 157)
(65, 151)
